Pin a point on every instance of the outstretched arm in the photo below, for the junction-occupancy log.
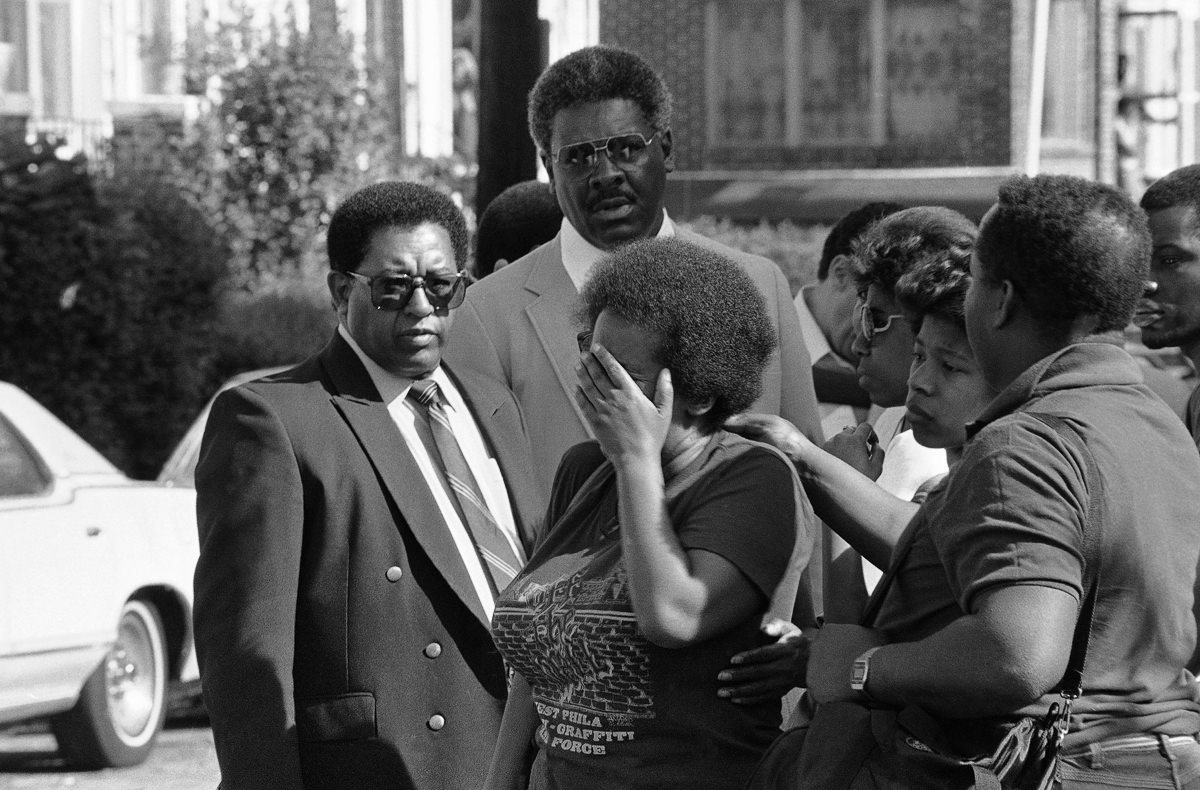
(867, 517)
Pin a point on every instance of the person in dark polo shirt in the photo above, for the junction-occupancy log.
(1059, 265)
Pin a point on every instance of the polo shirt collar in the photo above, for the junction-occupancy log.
(1099, 361)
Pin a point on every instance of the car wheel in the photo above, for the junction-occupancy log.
(123, 704)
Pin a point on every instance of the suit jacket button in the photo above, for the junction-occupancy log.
(433, 650)
(394, 573)
(436, 722)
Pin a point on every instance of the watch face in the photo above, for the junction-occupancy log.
(858, 675)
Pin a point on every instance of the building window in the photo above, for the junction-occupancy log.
(154, 46)
(140, 48)
(1068, 107)
(55, 30)
(857, 72)
(14, 32)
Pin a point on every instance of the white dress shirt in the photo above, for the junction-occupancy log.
(394, 390)
(834, 416)
(579, 255)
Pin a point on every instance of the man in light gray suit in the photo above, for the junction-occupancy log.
(601, 120)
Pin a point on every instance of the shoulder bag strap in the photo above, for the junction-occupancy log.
(875, 602)
(1072, 682)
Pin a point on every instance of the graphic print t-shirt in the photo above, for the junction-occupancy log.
(616, 711)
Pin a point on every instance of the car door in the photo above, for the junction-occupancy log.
(55, 620)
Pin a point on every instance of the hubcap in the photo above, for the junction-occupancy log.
(130, 677)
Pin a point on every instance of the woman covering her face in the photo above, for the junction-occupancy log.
(667, 538)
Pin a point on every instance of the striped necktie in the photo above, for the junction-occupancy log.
(493, 546)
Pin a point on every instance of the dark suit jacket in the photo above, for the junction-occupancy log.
(341, 642)
(518, 326)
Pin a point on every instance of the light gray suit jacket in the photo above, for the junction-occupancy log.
(518, 326)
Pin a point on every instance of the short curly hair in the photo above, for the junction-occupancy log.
(520, 218)
(1180, 187)
(1072, 248)
(912, 240)
(717, 337)
(840, 240)
(938, 287)
(595, 74)
(391, 204)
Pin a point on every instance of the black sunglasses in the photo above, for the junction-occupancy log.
(391, 292)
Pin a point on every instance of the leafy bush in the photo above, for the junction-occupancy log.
(109, 302)
(291, 125)
(795, 248)
(277, 325)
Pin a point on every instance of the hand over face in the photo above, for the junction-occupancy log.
(626, 422)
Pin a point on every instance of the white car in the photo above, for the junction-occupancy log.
(95, 590)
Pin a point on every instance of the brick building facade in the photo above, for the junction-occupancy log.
(807, 108)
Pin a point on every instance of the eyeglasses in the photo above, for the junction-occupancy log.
(626, 151)
(391, 292)
(867, 325)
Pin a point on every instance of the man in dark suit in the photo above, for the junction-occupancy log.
(350, 555)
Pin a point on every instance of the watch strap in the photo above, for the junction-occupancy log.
(861, 669)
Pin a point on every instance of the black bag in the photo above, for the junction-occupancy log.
(852, 747)
(848, 746)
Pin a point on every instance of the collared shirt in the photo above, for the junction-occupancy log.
(394, 391)
(579, 255)
(834, 416)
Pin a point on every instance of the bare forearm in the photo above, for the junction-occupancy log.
(992, 662)
(845, 586)
(852, 505)
(666, 598)
(951, 675)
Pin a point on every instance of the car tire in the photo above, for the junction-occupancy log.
(123, 704)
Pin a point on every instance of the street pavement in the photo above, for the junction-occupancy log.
(183, 759)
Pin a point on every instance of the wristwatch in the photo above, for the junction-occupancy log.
(861, 669)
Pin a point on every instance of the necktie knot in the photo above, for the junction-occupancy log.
(426, 392)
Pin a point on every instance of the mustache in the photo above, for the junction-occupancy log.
(609, 194)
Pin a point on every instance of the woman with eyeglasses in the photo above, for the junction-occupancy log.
(873, 471)
(946, 389)
(666, 540)
(896, 246)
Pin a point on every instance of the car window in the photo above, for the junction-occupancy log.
(180, 468)
(21, 472)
